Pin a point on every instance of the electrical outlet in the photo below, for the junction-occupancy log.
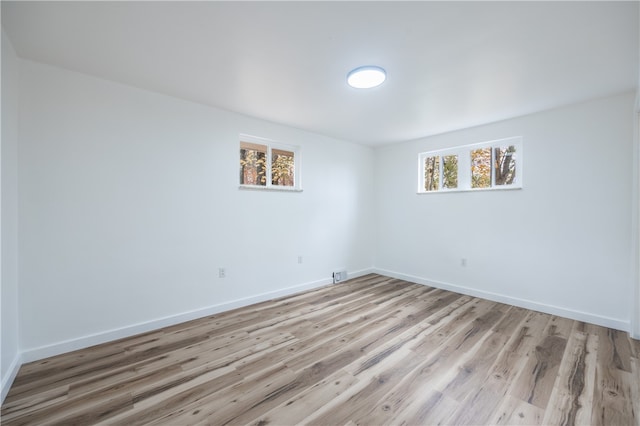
(463, 262)
(222, 273)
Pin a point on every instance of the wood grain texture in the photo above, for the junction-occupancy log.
(369, 351)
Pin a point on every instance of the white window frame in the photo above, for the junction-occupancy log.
(271, 145)
(464, 166)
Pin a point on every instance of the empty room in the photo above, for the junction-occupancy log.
(327, 213)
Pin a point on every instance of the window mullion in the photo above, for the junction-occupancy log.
(492, 167)
(421, 172)
(464, 167)
(268, 166)
(441, 172)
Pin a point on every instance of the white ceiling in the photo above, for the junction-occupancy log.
(449, 65)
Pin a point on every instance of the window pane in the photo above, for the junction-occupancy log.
(481, 168)
(431, 173)
(253, 164)
(450, 171)
(505, 167)
(282, 167)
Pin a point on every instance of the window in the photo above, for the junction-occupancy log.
(450, 171)
(487, 165)
(269, 165)
(481, 168)
(253, 164)
(432, 173)
(505, 164)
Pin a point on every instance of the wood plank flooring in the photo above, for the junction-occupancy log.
(370, 351)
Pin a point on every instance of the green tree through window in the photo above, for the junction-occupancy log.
(282, 167)
(505, 165)
(432, 173)
(478, 166)
(267, 164)
(481, 168)
(253, 164)
(450, 171)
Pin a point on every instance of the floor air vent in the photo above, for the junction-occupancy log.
(339, 276)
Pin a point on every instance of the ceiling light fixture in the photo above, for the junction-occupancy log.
(366, 77)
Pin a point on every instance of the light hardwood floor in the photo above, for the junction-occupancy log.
(369, 351)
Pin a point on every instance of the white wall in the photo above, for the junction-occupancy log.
(9, 350)
(635, 250)
(129, 204)
(635, 224)
(561, 244)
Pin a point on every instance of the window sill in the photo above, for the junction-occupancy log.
(269, 188)
(448, 191)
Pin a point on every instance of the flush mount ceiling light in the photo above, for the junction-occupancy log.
(366, 77)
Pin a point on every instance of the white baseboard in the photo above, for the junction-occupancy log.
(8, 379)
(38, 353)
(58, 348)
(540, 307)
(360, 273)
